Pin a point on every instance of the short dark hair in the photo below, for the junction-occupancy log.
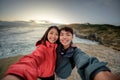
(68, 29)
(44, 38)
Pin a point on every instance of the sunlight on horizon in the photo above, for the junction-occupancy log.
(39, 19)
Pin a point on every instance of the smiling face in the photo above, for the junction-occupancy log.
(52, 35)
(66, 38)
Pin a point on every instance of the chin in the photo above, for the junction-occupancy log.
(52, 42)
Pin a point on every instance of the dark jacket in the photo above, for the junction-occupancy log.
(87, 66)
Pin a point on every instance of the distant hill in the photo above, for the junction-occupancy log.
(14, 23)
(25, 23)
(106, 34)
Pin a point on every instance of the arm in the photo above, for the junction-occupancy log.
(89, 67)
(27, 66)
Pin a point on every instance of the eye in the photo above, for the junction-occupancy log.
(56, 34)
(51, 32)
(61, 34)
(68, 34)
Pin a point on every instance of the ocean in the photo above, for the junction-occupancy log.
(21, 40)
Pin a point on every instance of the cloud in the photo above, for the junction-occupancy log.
(108, 2)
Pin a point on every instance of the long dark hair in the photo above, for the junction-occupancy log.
(44, 38)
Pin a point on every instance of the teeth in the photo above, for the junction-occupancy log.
(53, 39)
(64, 41)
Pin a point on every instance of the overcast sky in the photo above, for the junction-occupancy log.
(62, 11)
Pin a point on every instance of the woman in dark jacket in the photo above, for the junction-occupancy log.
(89, 68)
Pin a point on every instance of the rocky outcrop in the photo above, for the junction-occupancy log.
(115, 43)
(105, 34)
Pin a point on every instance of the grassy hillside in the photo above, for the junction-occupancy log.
(108, 35)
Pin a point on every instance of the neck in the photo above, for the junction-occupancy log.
(66, 46)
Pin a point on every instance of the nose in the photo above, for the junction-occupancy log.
(64, 36)
(54, 35)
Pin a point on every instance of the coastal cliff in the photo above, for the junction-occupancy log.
(106, 34)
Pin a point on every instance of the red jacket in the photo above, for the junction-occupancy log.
(41, 63)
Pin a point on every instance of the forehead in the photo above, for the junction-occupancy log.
(65, 32)
(53, 29)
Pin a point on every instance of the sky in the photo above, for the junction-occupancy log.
(62, 11)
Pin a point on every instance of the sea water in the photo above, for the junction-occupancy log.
(21, 40)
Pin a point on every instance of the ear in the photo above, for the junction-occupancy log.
(72, 36)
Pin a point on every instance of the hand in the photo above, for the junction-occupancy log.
(11, 77)
(74, 45)
(105, 75)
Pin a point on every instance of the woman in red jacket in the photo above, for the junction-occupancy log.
(39, 64)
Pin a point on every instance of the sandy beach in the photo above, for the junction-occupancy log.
(103, 53)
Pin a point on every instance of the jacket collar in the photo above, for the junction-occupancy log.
(65, 53)
(48, 44)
